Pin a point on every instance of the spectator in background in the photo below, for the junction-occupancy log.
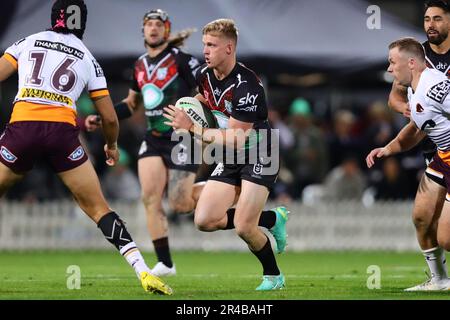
(393, 184)
(307, 158)
(381, 128)
(281, 190)
(120, 182)
(342, 141)
(345, 182)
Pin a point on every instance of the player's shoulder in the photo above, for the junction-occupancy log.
(436, 85)
(178, 52)
(141, 57)
(245, 77)
(202, 71)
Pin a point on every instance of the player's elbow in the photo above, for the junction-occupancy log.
(110, 120)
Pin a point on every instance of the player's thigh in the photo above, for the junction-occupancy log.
(216, 198)
(429, 200)
(152, 174)
(180, 185)
(252, 200)
(84, 184)
(7, 178)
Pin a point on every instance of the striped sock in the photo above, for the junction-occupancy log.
(134, 258)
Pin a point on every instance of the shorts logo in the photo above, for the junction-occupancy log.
(182, 155)
(218, 170)
(257, 168)
(77, 154)
(143, 148)
(7, 155)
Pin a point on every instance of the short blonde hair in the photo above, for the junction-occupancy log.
(225, 27)
(409, 45)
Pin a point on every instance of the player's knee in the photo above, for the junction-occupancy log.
(244, 230)
(150, 198)
(420, 221)
(203, 223)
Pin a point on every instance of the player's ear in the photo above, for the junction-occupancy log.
(411, 63)
(229, 47)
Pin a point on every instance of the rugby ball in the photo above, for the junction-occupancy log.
(221, 119)
(199, 113)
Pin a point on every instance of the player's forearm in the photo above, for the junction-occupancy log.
(406, 139)
(111, 133)
(398, 98)
(6, 69)
(228, 137)
(110, 123)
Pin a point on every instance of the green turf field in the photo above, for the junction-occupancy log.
(213, 275)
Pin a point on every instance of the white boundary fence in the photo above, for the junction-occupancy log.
(325, 226)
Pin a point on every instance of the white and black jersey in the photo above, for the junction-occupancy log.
(440, 62)
(241, 95)
(430, 107)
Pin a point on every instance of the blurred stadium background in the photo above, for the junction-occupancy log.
(324, 71)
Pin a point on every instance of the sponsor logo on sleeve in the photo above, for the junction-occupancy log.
(439, 91)
(98, 69)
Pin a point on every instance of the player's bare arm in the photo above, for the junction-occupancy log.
(235, 135)
(133, 101)
(405, 140)
(398, 100)
(110, 127)
(7, 68)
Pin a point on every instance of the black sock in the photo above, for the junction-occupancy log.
(162, 251)
(114, 230)
(267, 259)
(266, 220)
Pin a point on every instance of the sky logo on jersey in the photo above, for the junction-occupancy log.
(248, 99)
(7, 155)
(77, 154)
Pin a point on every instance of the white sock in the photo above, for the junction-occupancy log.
(134, 258)
(435, 258)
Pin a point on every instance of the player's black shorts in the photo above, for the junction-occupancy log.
(428, 149)
(161, 146)
(203, 172)
(258, 173)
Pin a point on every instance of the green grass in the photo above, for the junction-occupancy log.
(213, 275)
